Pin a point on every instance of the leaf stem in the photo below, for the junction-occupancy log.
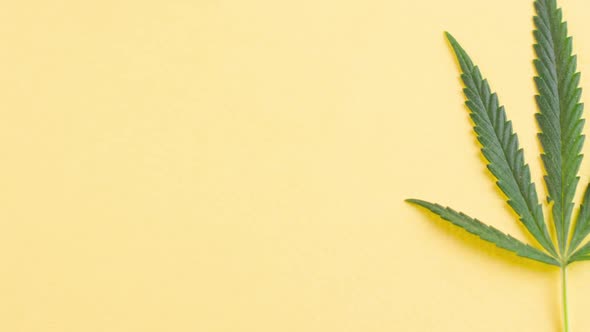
(564, 298)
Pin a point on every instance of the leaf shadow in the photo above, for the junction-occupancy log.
(490, 252)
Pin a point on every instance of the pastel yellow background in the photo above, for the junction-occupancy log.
(229, 166)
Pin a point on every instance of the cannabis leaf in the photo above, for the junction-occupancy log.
(560, 121)
(559, 114)
(487, 233)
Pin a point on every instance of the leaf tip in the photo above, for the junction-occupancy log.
(415, 201)
(450, 37)
(464, 61)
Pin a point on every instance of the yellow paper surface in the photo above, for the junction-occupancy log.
(232, 166)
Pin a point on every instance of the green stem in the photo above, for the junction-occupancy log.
(564, 298)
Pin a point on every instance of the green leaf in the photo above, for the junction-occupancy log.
(500, 147)
(559, 114)
(487, 233)
(582, 226)
(583, 254)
